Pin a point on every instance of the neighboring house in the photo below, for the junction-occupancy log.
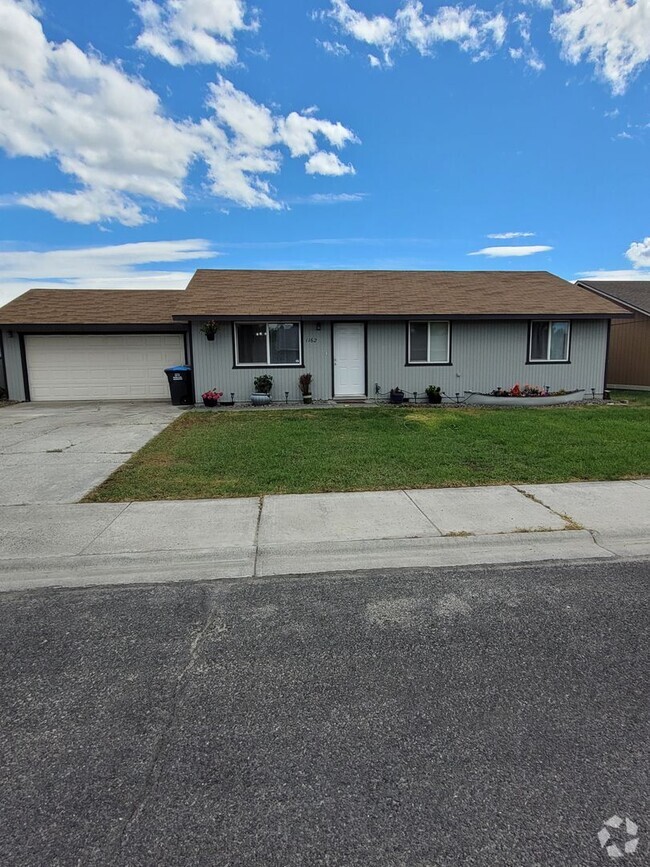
(628, 363)
(3, 378)
(359, 333)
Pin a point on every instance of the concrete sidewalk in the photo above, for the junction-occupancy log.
(83, 544)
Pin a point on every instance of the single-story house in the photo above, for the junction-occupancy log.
(628, 363)
(359, 333)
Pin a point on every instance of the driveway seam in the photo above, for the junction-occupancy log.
(103, 530)
(424, 515)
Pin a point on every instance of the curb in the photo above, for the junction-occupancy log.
(306, 559)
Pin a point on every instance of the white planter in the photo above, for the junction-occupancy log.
(260, 398)
(477, 399)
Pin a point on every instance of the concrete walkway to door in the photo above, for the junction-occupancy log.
(57, 452)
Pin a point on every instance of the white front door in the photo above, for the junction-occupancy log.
(349, 359)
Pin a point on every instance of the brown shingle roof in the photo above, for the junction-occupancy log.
(91, 307)
(221, 293)
(387, 293)
(634, 292)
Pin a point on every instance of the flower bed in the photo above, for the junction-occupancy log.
(526, 396)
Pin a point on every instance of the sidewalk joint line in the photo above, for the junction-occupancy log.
(102, 531)
(256, 544)
(571, 523)
(435, 527)
(592, 533)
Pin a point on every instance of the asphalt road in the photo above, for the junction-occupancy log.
(483, 716)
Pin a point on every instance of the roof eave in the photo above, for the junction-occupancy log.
(323, 317)
(613, 298)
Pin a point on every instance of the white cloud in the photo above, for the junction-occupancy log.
(332, 198)
(337, 48)
(507, 236)
(614, 275)
(526, 52)
(192, 31)
(299, 133)
(87, 206)
(504, 252)
(473, 30)
(378, 30)
(639, 253)
(110, 267)
(614, 35)
(374, 61)
(108, 131)
(327, 163)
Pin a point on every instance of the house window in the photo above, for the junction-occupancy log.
(549, 341)
(428, 343)
(267, 344)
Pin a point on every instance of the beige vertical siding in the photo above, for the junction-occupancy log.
(484, 356)
(13, 366)
(629, 352)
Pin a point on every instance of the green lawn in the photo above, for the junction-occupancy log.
(232, 454)
(635, 398)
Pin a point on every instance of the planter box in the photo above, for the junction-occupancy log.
(475, 398)
(259, 398)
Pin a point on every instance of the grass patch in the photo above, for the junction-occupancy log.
(635, 398)
(231, 454)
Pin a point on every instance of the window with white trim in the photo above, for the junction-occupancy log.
(549, 340)
(267, 344)
(428, 342)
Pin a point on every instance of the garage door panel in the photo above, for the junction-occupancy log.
(101, 367)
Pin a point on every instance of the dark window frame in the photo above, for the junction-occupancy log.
(237, 364)
(531, 360)
(428, 322)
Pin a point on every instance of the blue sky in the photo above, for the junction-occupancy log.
(151, 137)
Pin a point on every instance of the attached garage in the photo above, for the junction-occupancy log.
(101, 366)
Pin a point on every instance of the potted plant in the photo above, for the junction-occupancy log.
(262, 394)
(211, 397)
(304, 384)
(433, 393)
(396, 395)
(210, 328)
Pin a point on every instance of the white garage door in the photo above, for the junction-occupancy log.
(101, 367)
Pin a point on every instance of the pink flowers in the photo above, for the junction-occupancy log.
(212, 395)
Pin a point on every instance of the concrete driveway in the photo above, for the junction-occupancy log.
(57, 452)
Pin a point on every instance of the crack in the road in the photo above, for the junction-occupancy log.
(152, 775)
